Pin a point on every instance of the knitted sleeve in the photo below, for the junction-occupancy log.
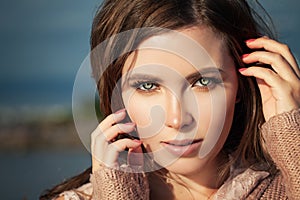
(113, 184)
(282, 138)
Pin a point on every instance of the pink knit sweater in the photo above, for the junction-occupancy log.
(282, 136)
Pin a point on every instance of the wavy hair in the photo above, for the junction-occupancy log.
(234, 21)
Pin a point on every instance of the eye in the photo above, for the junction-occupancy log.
(147, 86)
(207, 83)
(204, 82)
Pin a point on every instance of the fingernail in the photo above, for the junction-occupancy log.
(127, 127)
(245, 55)
(242, 69)
(130, 124)
(120, 111)
(138, 141)
(250, 40)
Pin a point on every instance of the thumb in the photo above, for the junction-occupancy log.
(135, 157)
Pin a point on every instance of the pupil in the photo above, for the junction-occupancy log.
(148, 85)
(204, 81)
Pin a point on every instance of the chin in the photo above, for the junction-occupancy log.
(188, 166)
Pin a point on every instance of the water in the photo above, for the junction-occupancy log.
(26, 175)
(39, 66)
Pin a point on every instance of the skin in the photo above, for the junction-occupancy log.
(279, 87)
(280, 91)
(179, 108)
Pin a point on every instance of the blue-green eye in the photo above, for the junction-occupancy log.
(147, 86)
(203, 82)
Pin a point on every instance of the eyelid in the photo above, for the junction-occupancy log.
(214, 81)
(138, 83)
(145, 89)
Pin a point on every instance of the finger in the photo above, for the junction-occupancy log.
(98, 147)
(275, 47)
(282, 91)
(268, 75)
(100, 140)
(135, 157)
(106, 124)
(267, 98)
(278, 63)
(112, 119)
(117, 129)
(114, 149)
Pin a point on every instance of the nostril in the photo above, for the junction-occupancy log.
(173, 121)
(188, 123)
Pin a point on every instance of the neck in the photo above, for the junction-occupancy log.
(186, 186)
(203, 183)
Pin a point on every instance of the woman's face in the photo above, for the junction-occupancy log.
(181, 93)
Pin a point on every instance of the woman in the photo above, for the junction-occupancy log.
(211, 106)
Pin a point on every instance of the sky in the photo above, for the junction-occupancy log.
(43, 44)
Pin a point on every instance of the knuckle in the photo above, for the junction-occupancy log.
(109, 119)
(111, 148)
(116, 147)
(269, 72)
(292, 90)
(122, 144)
(93, 135)
(285, 47)
(278, 57)
(117, 128)
(289, 89)
(96, 133)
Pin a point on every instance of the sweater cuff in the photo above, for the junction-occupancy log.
(282, 135)
(287, 121)
(282, 138)
(115, 184)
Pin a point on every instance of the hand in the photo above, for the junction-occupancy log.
(106, 149)
(280, 87)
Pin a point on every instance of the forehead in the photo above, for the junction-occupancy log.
(194, 47)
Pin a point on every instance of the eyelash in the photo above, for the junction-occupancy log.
(212, 82)
(140, 85)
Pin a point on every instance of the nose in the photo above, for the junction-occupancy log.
(177, 116)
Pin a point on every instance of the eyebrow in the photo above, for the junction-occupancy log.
(195, 75)
(138, 76)
(205, 71)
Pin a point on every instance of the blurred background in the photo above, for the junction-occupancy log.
(42, 45)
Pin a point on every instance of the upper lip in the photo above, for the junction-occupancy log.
(182, 142)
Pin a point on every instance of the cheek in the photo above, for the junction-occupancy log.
(216, 114)
(138, 112)
(148, 114)
(204, 113)
(136, 108)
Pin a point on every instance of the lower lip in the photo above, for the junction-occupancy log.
(183, 151)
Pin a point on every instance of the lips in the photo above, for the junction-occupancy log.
(182, 142)
(182, 148)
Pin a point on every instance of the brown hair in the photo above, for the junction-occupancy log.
(233, 20)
